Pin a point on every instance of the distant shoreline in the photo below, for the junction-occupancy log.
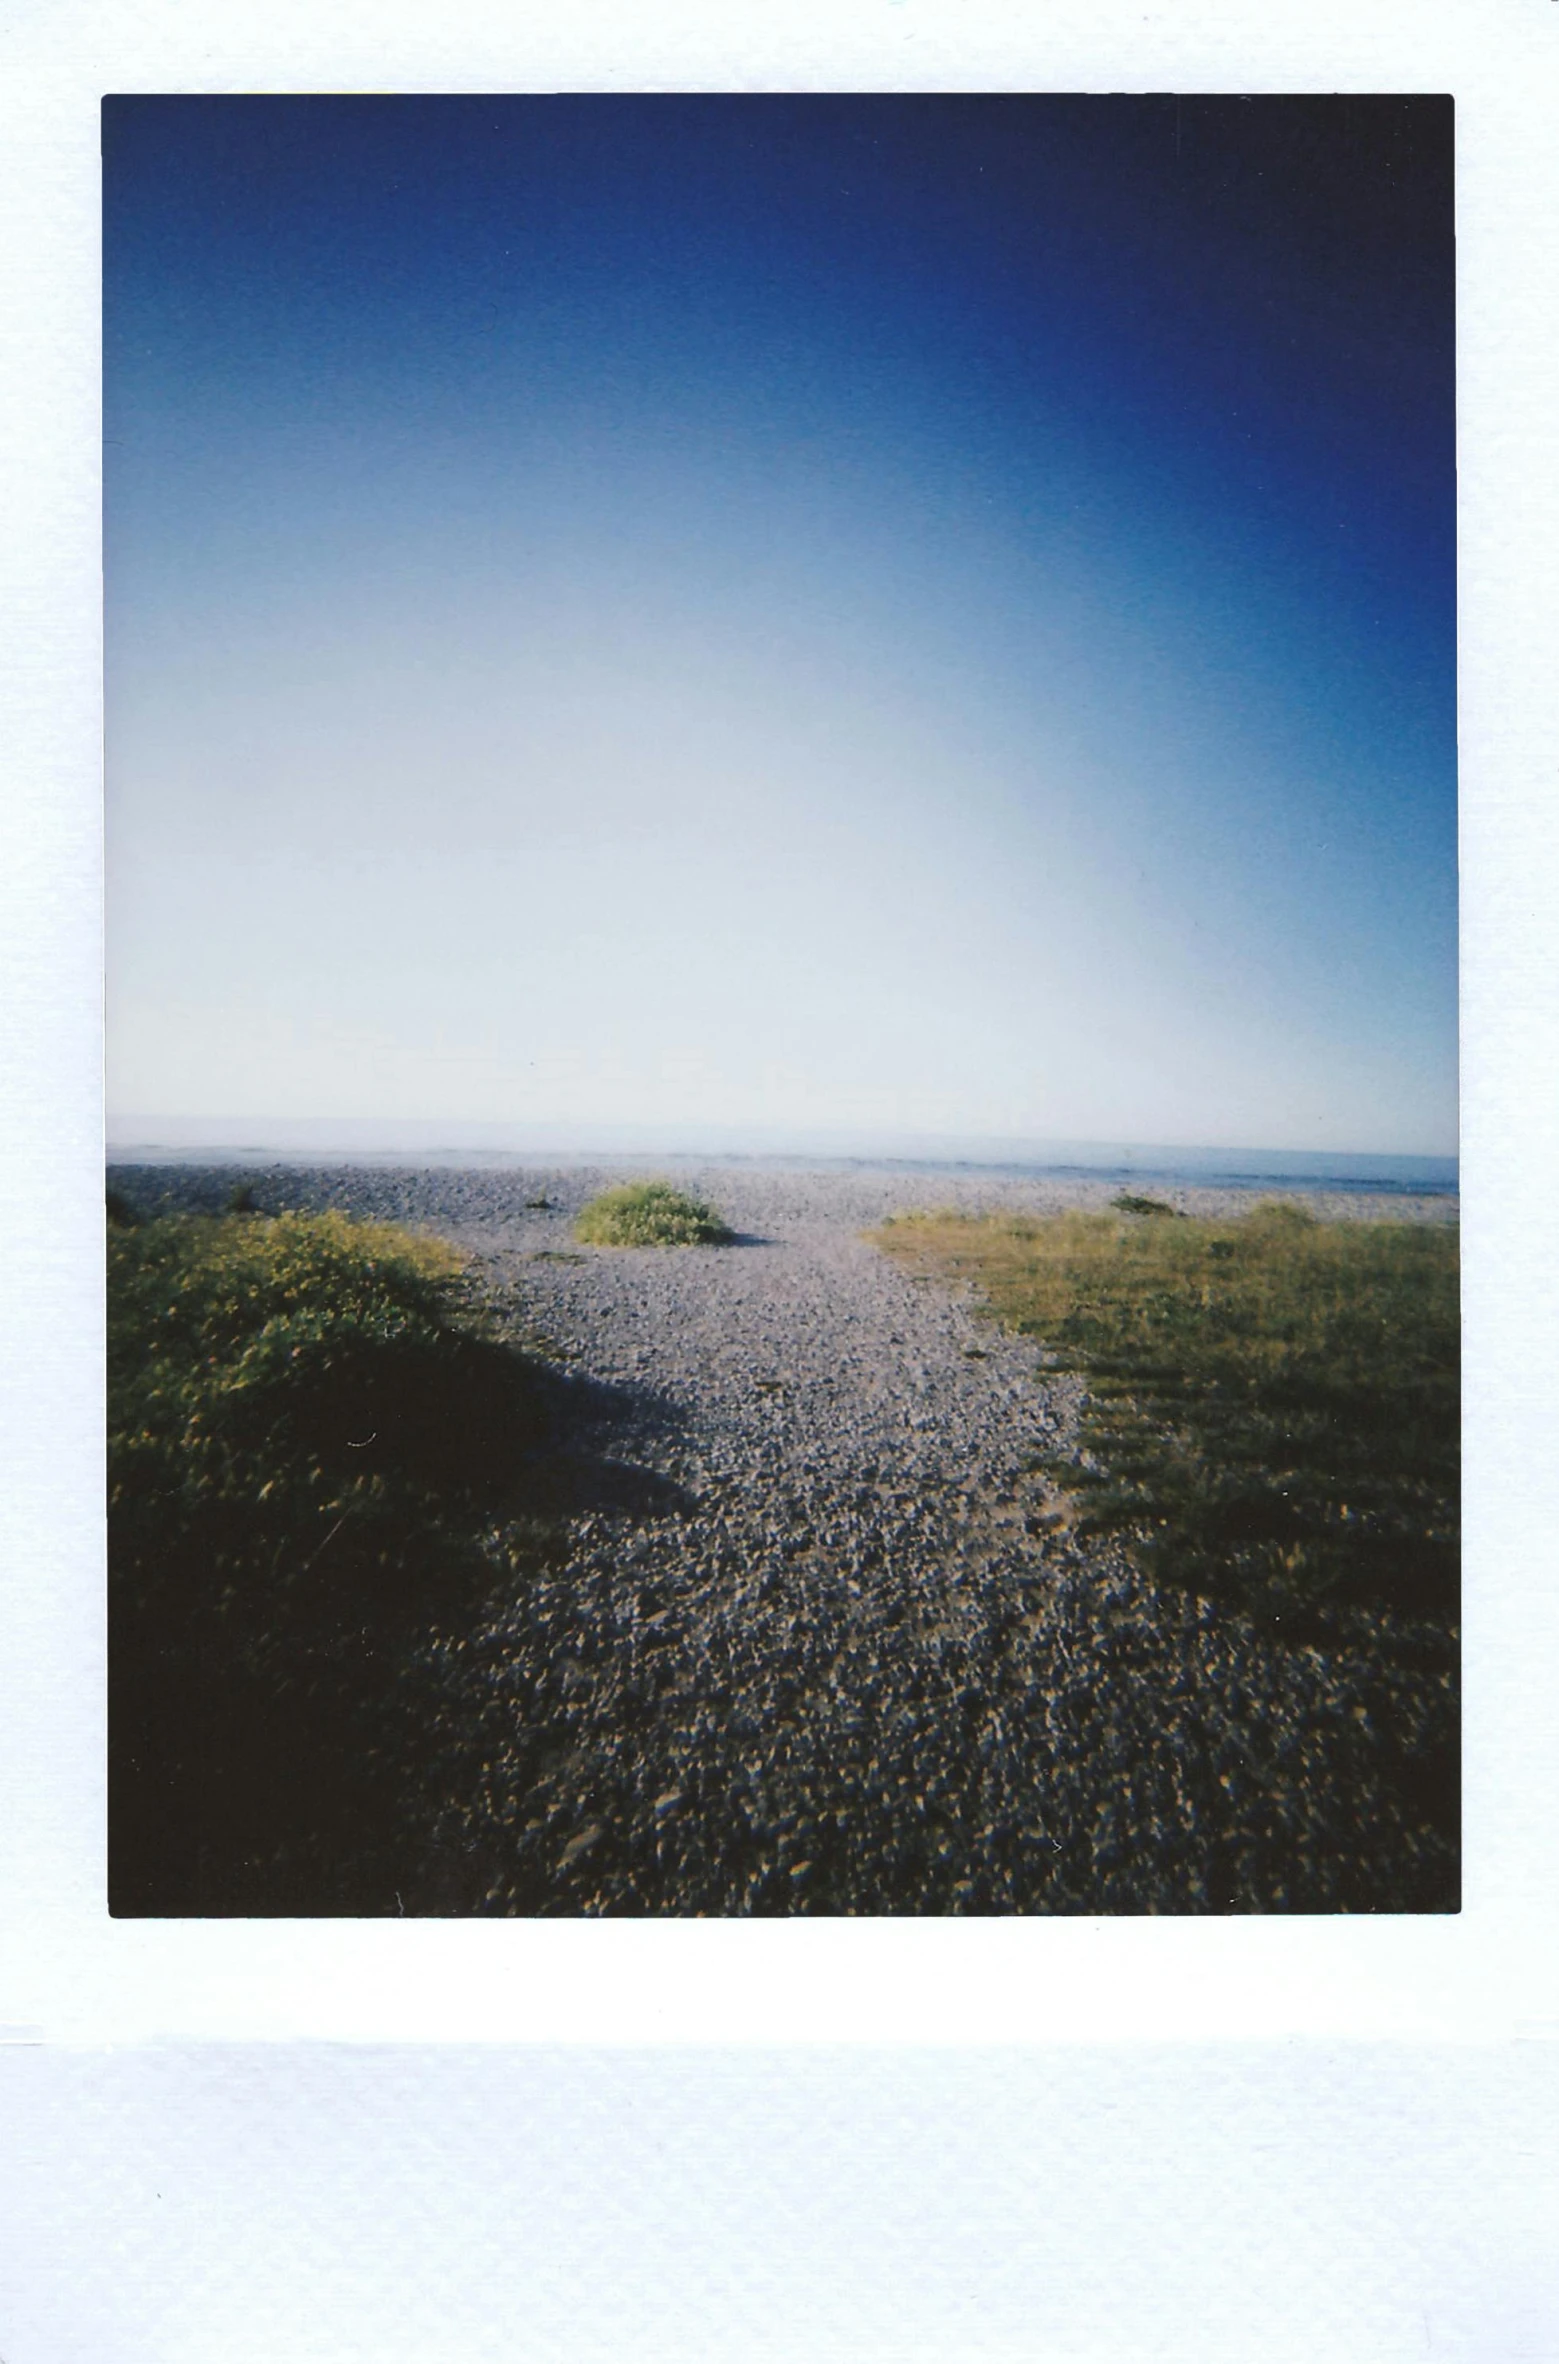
(450, 1194)
(1370, 1176)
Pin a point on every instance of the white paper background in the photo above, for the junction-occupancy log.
(304, 2206)
(1144, 2196)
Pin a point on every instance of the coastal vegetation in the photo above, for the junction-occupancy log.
(412, 1611)
(649, 1215)
(309, 1427)
(1272, 1407)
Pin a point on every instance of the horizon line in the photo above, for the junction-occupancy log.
(256, 1135)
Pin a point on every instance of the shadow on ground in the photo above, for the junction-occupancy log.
(269, 1685)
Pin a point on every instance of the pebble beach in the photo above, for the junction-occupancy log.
(812, 1633)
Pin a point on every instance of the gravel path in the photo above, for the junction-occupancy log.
(815, 1636)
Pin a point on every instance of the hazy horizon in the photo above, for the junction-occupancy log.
(145, 1139)
(925, 617)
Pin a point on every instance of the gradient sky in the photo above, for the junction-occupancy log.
(872, 615)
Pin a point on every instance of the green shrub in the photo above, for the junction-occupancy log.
(309, 1433)
(1129, 1203)
(649, 1215)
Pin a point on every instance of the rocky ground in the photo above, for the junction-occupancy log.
(796, 1626)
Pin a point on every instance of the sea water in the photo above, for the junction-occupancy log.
(189, 1142)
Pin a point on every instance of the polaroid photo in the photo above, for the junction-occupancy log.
(798, 754)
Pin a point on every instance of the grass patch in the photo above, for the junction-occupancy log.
(1273, 1402)
(649, 1215)
(309, 1430)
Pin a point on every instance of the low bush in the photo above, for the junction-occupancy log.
(649, 1215)
(308, 1430)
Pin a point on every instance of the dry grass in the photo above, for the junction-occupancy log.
(1273, 1402)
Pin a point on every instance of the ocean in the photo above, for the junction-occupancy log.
(186, 1142)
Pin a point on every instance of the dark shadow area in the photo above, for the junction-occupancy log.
(281, 1568)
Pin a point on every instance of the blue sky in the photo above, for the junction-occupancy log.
(830, 616)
